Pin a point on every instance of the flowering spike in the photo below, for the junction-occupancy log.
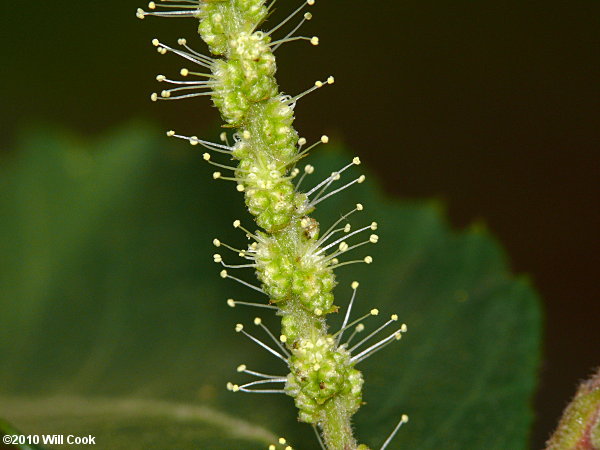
(289, 253)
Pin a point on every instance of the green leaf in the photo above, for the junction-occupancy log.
(113, 317)
(7, 429)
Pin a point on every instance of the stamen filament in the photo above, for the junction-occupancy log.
(314, 427)
(382, 327)
(373, 312)
(224, 274)
(403, 420)
(347, 316)
(258, 321)
(232, 303)
(244, 369)
(240, 329)
(378, 346)
(358, 180)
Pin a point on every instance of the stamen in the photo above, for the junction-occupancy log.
(219, 260)
(331, 178)
(239, 328)
(308, 170)
(394, 318)
(403, 420)
(224, 274)
(291, 16)
(373, 312)
(164, 79)
(185, 72)
(354, 286)
(258, 322)
(244, 387)
(360, 230)
(224, 138)
(196, 58)
(313, 40)
(319, 437)
(397, 335)
(193, 140)
(207, 158)
(165, 95)
(237, 224)
(359, 329)
(243, 369)
(358, 180)
(324, 140)
(366, 260)
(233, 303)
(317, 85)
(307, 16)
(327, 234)
(188, 8)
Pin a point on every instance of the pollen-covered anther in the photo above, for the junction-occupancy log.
(216, 175)
(356, 161)
(231, 303)
(314, 40)
(223, 274)
(283, 338)
(217, 258)
(257, 321)
(309, 169)
(373, 239)
(241, 368)
(374, 226)
(368, 259)
(239, 327)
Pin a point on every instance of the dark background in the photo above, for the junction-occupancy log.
(491, 107)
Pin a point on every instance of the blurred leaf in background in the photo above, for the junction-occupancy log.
(113, 317)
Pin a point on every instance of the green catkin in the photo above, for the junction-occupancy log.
(290, 261)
